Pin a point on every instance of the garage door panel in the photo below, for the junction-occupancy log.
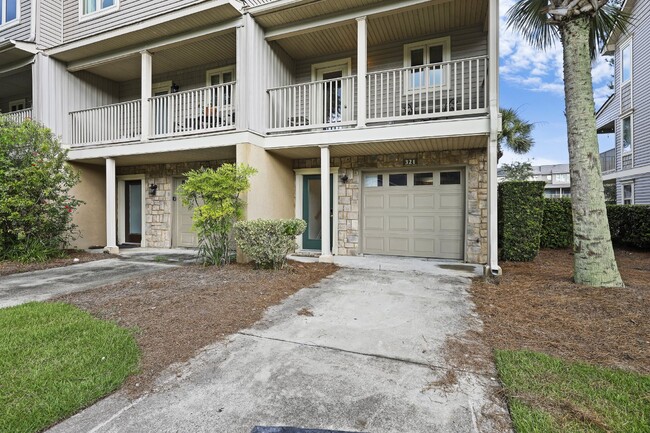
(398, 201)
(423, 220)
(398, 223)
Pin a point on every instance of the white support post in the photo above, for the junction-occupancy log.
(326, 253)
(493, 46)
(111, 232)
(146, 78)
(362, 71)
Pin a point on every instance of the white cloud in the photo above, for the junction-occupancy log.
(541, 71)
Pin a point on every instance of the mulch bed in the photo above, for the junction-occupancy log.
(536, 306)
(179, 311)
(9, 268)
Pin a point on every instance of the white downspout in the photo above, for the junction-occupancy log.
(33, 21)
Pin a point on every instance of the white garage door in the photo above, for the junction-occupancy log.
(419, 214)
(183, 235)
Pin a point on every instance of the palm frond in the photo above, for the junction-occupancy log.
(606, 20)
(530, 18)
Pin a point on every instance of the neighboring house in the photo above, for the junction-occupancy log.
(556, 176)
(627, 112)
(374, 121)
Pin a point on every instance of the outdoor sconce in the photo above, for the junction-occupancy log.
(175, 87)
(152, 189)
(344, 178)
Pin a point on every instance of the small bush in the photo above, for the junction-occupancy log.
(521, 213)
(630, 225)
(267, 242)
(557, 230)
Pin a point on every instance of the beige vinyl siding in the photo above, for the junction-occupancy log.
(72, 92)
(129, 12)
(20, 31)
(50, 27)
(263, 66)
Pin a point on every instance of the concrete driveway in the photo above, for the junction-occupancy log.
(364, 356)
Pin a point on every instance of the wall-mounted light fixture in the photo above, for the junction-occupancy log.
(345, 178)
(152, 189)
(175, 88)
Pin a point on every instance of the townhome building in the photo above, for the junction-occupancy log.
(627, 112)
(374, 121)
(556, 176)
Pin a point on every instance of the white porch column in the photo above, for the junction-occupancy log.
(145, 77)
(362, 70)
(495, 119)
(111, 232)
(326, 253)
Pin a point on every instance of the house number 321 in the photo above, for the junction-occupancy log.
(410, 162)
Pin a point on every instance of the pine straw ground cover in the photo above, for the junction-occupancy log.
(9, 268)
(179, 311)
(596, 377)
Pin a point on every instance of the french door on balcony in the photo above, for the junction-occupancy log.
(333, 96)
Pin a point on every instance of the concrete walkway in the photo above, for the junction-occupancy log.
(42, 285)
(366, 359)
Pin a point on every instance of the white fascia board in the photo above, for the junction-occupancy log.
(418, 131)
(638, 171)
(142, 25)
(153, 46)
(161, 145)
(308, 26)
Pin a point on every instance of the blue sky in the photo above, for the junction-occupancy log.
(531, 82)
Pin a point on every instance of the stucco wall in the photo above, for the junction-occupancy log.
(475, 161)
(91, 216)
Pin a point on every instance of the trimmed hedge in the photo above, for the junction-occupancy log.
(521, 215)
(267, 242)
(629, 225)
(557, 230)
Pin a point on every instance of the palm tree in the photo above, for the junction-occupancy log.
(515, 133)
(581, 26)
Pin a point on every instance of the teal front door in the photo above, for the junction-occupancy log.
(311, 212)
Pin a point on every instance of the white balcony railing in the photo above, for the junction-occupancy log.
(107, 124)
(20, 116)
(327, 104)
(430, 91)
(201, 110)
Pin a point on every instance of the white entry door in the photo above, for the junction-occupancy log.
(419, 214)
(183, 235)
(334, 93)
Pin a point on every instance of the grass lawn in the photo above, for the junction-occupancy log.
(548, 395)
(55, 360)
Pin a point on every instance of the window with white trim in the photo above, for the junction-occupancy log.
(626, 63)
(90, 7)
(17, 105)
(626, 136)
(628, 193)
(425, 58)
(9, 11)
(215, 77)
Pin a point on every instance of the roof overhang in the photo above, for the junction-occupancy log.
(605, 105)
(185, 20)
(16, 54)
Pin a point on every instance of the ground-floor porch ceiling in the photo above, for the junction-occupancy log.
(208, 49)
(388, 147)
(210, 154)
(16, 82)
(186, 20)
(399, 25)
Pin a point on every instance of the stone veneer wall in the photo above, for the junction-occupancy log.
(475, 162)
(158, 208)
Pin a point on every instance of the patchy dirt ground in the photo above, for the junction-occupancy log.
(8, 268)
(181, 310)
(536, 306)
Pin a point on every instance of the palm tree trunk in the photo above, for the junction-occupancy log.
(594, 261)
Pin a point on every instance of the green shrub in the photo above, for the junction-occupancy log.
(630, 225)
(521, 213)
(36, 207)
(557, 230)
(215, 196)
(267, 242)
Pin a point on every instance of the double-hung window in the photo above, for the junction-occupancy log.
(628, 193)
(626, 63)
(627, 135)
(9, 11)
(90, 7)
(425, 62)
